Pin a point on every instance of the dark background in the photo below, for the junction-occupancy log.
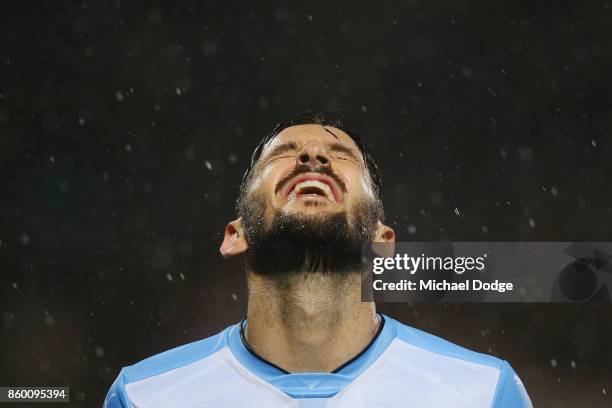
(125, 128)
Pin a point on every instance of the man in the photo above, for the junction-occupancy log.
(308, 202)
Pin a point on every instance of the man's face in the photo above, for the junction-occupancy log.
(311, 172)
(309, 205)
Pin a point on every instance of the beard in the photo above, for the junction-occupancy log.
(297, 244)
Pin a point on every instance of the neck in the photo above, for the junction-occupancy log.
(311, 322)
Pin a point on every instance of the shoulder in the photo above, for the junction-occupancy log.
(475, 375)
(173, 360)
(445, 349)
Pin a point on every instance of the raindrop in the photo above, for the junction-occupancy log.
(99, 351)
(49, 320)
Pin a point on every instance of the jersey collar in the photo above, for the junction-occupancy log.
(311, 385)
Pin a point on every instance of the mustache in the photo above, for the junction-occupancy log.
(303, 168)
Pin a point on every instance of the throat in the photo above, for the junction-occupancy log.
(310, 322)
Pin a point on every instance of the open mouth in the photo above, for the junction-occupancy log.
(313, 186)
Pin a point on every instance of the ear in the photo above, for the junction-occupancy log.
(384, 233)
(234, 242)
(384, 241)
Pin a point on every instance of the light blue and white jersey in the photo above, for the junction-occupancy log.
(402, 367)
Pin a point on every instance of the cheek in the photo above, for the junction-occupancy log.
(367, 188)
(258, 182)
(263, 186)
(359, 186)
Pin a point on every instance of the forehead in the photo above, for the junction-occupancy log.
(302, 134)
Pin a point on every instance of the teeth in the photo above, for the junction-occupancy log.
(313, 183)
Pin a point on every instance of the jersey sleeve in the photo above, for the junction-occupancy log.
(511, 392)
(117, 396)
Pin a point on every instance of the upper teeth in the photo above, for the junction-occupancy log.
(313, 183)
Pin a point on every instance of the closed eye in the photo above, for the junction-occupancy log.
(285, 156)
(344, 152)
(282, 151)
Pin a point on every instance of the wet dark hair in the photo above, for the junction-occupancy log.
(310, 118)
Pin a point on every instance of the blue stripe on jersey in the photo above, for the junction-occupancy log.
(176, 357)
(116, 396)
(510, 390)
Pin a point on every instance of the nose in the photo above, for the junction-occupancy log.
(314, 155)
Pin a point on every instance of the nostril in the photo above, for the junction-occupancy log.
(303, 158)
(322, 159)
